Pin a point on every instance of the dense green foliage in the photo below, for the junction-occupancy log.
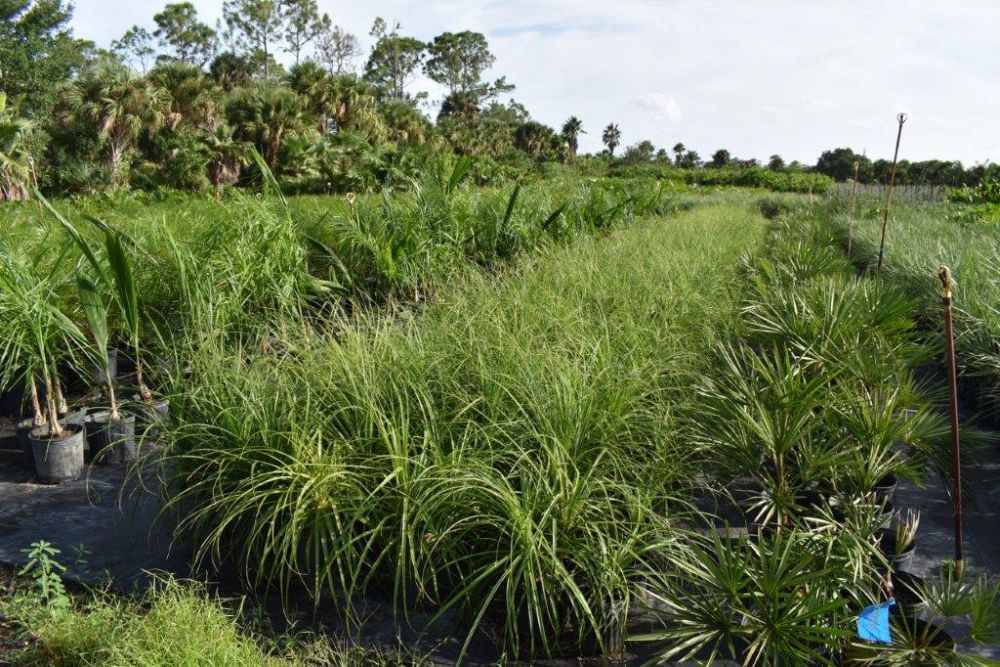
(370, 397)
(373, 250)
(37, 52)
(180, 626)
(752, 177)
(498, 379)
(839, 165)
(483, 454)
(166, 109)
(922, 238)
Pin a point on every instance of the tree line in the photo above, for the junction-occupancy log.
(177, 105)
(839, 165)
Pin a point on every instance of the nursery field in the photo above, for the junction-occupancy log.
(576, 419)
(923, 237)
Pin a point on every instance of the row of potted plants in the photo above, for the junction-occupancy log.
(54, 331)
(806, 423)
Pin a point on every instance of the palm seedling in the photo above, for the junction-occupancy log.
(113, 428)
(773, 600)
(124, 283)
(95, 311)
(953, 600)
(117, 274)
(760, 421)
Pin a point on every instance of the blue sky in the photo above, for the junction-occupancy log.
(793, 77)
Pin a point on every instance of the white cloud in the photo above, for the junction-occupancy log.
(661, 107)
(775, 76)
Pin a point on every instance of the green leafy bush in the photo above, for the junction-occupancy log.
(752, 177)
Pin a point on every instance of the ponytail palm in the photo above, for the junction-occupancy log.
(37, 333)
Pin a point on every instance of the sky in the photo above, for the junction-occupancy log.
(756, 77)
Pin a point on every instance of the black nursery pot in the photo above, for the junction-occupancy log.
(57, 459)
(911, 631)
(112, 441)
(905, 587)
(885, 488)
(887, 545)
(76, 418)
(150, 417)
(23, 430)
(888, 513)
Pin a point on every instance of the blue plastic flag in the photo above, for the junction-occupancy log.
(873, 623)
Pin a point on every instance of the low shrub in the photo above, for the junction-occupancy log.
(751, 177)
(173, 624)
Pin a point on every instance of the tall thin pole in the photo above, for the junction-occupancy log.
(854, 201)
(956, 455)
(901, 118)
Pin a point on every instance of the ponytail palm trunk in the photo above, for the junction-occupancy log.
(37, 335)
(51, 403)
(38, 415)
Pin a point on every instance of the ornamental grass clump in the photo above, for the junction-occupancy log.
(508, 456)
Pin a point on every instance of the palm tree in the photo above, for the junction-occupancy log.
(313, 85)
(15, 160)
(403, 122)
(533, 138)
(356, 108)
(122, 106)
(264, 115)
(571, 131)
(679, 149)
(226, 158)
(612, 137)
(195, 100)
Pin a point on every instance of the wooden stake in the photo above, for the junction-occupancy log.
(944, 274)
(901, 118)
(850, 216)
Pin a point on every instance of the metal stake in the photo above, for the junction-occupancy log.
(888, 196)
(944, 274)
(854, 200)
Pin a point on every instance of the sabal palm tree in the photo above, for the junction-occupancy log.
(122, 106)
(571, 131)
(15, 159)
(403, 122)
(533, 138)
(226, 158)
(195, 100)
(264, 115)
(679, 149)
(612, 137)
(356, 108)
(313, 84)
